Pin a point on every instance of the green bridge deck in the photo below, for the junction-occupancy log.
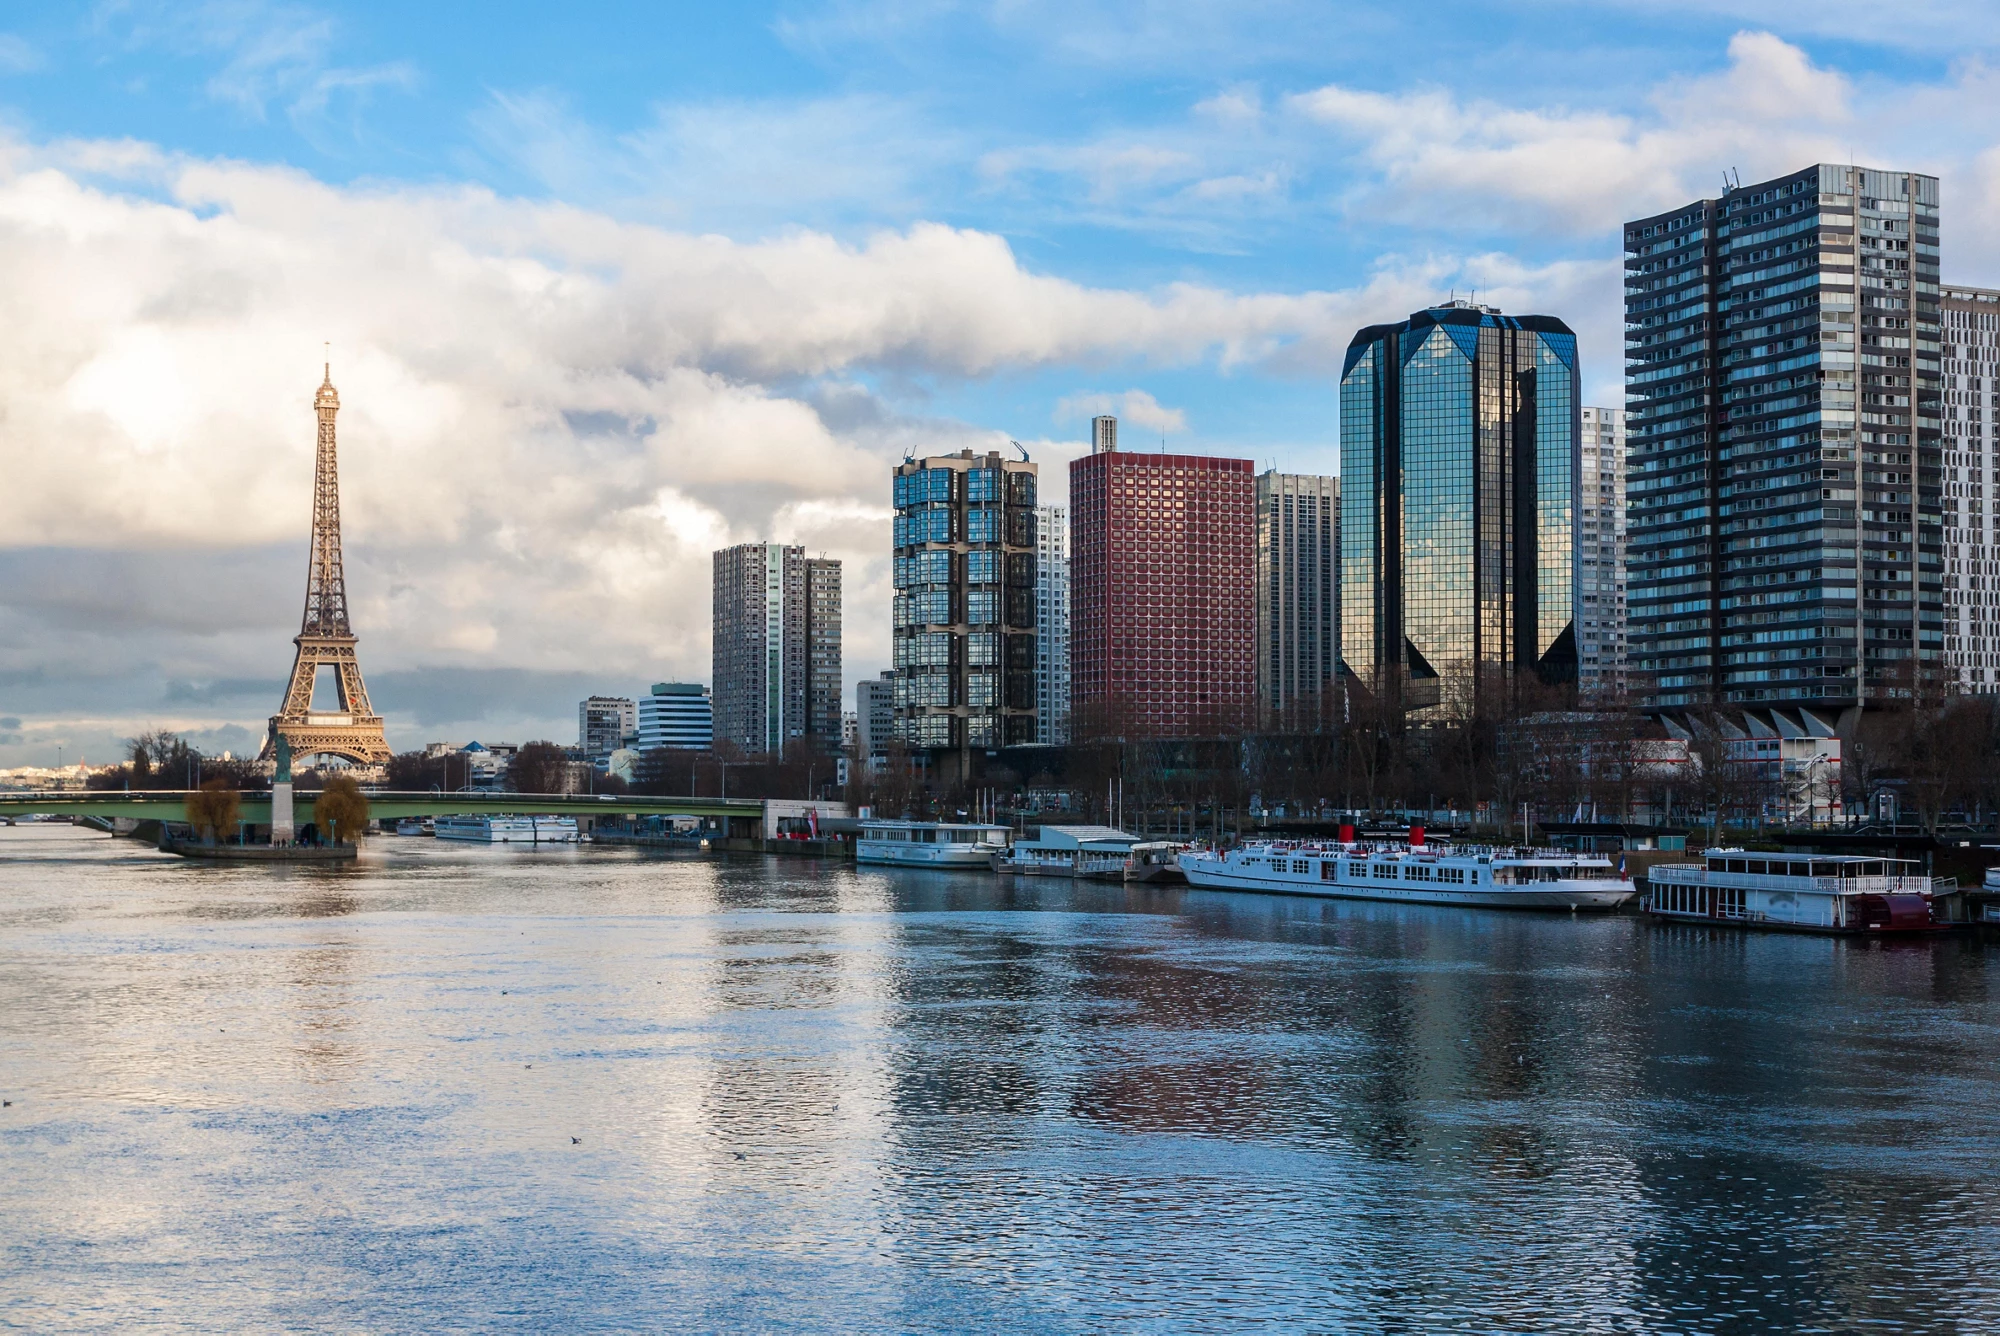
(169, 805)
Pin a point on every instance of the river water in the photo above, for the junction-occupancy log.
(457, 1088)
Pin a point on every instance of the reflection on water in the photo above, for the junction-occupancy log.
(582, 1089)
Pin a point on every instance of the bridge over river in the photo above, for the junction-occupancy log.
(743, 816)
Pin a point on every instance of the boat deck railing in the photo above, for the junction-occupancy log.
(1697, 874)
(1486, 851)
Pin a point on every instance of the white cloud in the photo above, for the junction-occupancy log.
(1587, 170)
(1134, 406)
(550, 416)
(272, 52)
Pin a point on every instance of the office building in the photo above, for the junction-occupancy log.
(1971, 446)
(963, 620)
(1600, 590)
(604, 724)
(874, 719)
(1052, 624)
(822, 645)
(1459, 432)
(1298, 599)
(1162, 593)
(1783, 452)
(679, 715)
(1103, 435)
(776, 648)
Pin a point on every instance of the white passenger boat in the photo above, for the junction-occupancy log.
(940, 844)
(1842, 893)
(410, 825)
(1416, 873)
(508, 829)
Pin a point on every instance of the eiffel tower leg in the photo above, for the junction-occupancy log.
(299, 696)
(353, 693)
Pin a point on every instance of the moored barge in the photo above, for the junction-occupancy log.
(1829, 893)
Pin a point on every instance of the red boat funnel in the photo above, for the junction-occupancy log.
(1347, 834)
(1416, 837)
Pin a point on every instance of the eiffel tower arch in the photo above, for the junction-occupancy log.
(325, 638)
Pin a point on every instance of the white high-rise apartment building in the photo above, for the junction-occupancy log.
(678, 715)
(1601, 668)
(776, 647)
(604, 723)
(1052, 624)
(874, 719)
(1971, 481)
(1298, 598)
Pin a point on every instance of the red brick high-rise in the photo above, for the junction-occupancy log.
(1162, 594)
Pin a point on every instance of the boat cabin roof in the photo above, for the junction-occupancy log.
(975, 827)
(1108, 838)
(1805, 865)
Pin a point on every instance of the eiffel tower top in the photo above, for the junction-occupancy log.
(326, 577)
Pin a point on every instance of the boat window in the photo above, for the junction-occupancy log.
(1737, 865)
(1383, 871)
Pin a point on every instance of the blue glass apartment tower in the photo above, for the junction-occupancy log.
(1778, 341)
(964, 613)
(1460, 431)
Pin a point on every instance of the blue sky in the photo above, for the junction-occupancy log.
(664, 276)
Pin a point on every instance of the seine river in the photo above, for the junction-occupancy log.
(458, 1088)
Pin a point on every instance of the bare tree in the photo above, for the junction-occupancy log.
(539, 767)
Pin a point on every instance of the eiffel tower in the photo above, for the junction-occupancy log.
(325, 637)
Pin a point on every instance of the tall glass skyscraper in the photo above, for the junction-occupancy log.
(1778, 341)
(1459, 432)
(964, 613)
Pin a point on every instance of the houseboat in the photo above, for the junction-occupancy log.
(935, 844)
(508, 829)
(1101, 852)
(1414, 873)
(1802, 892)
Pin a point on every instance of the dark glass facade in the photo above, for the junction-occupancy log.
(1459, 438)
(1783, 383)
(964, 612)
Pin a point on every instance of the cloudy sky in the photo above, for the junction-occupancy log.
(608, 286)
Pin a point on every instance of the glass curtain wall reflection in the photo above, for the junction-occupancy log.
(1459, 440)
(964, 613)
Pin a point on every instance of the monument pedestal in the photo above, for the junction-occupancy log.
(281, 812)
